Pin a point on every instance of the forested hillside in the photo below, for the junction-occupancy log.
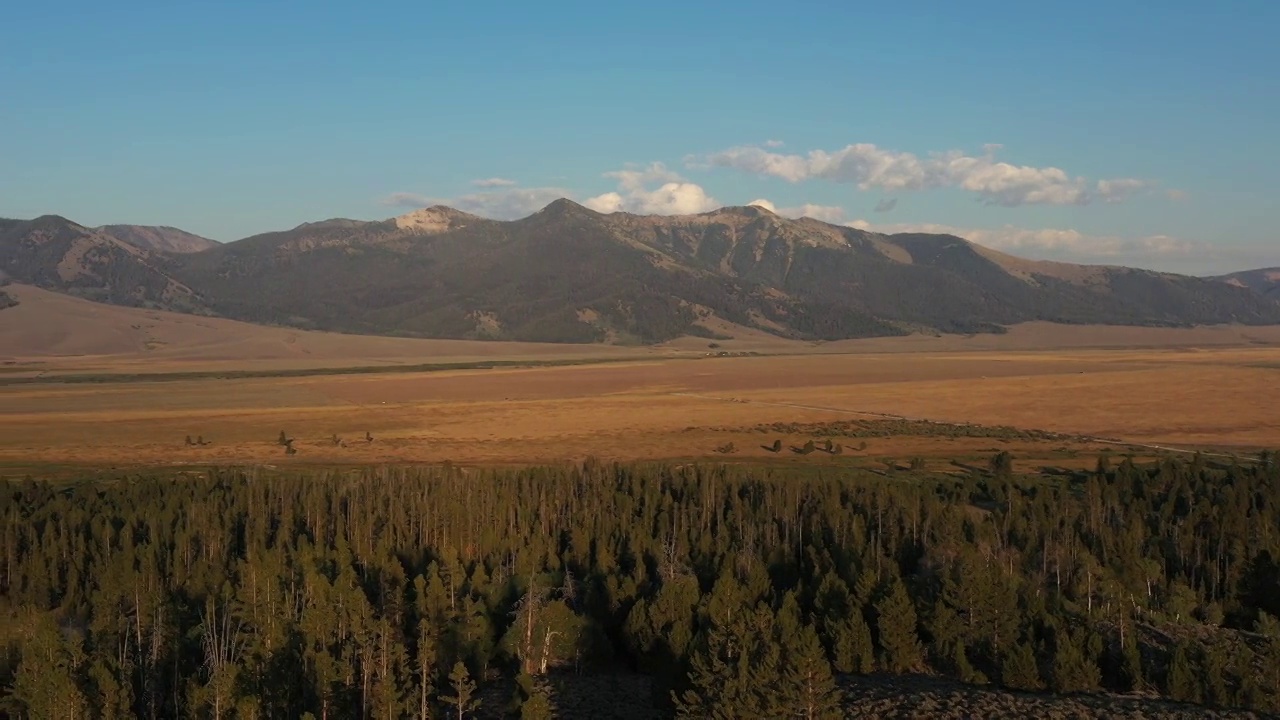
(740, 591)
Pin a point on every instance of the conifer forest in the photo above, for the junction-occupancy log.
(731, 590)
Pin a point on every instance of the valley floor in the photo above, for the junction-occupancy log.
(1202, 397)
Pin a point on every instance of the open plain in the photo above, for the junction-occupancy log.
(1210, 388)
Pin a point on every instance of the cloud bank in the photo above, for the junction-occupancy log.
(652, 190)
(494, 182)
(1063, 244)
(869, 167)
(509, 203)
(825, 213)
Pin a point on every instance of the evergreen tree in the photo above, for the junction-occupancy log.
(896, 632)
(1019, 669)
(813, 693)
(1131, 676)
(843, 629)
(1073, 669)
(48, 683)
(1183, 682)
(464, 698)
(537, 706)
(425, 665)
(719, 684)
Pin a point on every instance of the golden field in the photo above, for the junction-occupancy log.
(1215, 387)
(680, 407)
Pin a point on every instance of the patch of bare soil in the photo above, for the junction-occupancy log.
(628, 696)
(903, 697)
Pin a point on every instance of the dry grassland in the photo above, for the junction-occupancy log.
(50, 333)
(1223, 397)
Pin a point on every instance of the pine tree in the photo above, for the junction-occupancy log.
(963, 669)
(1073, 670)
(1001, 465)
(736, 668)
(1131, 676)
(715, 679)
(1019, 670)
(464, 698)
(537, 706)
(425, 665)
(842, 627)
(1183, 683)
(814, 693)
(1213, 674)
(899, 642)
(48, 683)
(391, 690)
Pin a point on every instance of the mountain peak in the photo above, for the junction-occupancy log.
(754, 211)
(331, 223)
(52, 221)
(434, 219)
(565, 207)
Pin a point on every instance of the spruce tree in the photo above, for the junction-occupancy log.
(1019, 669)
(48, 682)
(1073, 669)
(813, 690)
(718, 686)
(900, 648)
(464, 698)
(1183, 682)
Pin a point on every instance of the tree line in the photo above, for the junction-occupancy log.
(743, 591)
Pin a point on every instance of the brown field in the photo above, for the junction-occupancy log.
(1208, 388)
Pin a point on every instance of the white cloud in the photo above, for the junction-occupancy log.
(494, 182)
(825, 213)
(773, 143)
(407, 199)
(1118, 190)
(1177, 195)
(673, 195)
(506, 204)
(651, 189)
(873, 168)
(1065, 245)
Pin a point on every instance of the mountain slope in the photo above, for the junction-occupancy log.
(57, 254)
(78, 333)
(568, 274)
(159, 238)
(1264, 281)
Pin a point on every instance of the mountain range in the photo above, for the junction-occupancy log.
(569, 274)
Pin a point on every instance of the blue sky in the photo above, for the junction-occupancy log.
(1134, 132)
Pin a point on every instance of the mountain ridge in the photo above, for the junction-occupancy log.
(162, 238)
(567, 273)
(1264, 281)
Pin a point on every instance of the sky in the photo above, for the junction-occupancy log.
(1138, 132)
